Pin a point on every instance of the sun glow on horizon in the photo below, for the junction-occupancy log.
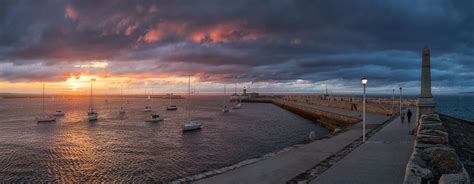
(104, 83)
(93, 64)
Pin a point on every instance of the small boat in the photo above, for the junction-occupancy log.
(59, 113)
(45, 118)
(237, 106)
(122, 111)
(239, 101)
(154, 118)
(171, 108)
(92, 114)
(147, 109)
(225, 108)
(191, 125)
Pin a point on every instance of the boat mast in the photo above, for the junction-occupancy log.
(90, 99)
(189, 97)
(43, 98)
(225, 94)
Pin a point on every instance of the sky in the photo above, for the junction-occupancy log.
(294, 46)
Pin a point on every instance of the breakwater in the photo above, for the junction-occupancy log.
(461, 138)
(326, 119)
(376, 105)
(329, 120)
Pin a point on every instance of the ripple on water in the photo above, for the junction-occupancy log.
(128, 149)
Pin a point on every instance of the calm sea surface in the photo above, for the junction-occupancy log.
(128, 149)
(461, 106)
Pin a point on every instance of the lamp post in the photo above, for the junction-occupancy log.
(393, 102)
(400, 101)
(364, 84)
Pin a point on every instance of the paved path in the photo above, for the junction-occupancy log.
(382, 159)
(285, 166)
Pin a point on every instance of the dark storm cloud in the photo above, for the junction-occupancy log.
(273, 41)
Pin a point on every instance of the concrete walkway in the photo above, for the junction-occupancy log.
(382, 159)
(285, 166)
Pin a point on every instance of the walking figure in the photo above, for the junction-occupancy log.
(409, 115)
(402, 116)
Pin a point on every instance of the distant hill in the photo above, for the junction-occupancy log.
(467, 93)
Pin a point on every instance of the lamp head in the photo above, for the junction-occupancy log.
(364, 81)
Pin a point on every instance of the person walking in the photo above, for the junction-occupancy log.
(409, 115)
(402, 116)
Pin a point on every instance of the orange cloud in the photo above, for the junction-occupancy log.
(152, 9)
(226, 32)
(152, 35)
(131, 29)
(70, 12)
(165, 29)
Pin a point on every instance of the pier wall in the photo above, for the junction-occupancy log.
(375, 105)
(327, 119)
(433, 159)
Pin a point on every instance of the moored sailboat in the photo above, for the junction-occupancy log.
(44, 118)
(225, 108)
(190, 124)
(92, 114)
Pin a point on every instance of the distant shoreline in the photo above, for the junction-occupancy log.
(60, 96)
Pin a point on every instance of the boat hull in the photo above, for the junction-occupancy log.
(154, 120)
(191, 127)
(46, 120)
(171, 108)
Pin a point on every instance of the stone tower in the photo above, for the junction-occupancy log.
(425, 103)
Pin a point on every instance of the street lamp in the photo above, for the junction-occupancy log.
(400, 101)
(393, 102)
(364, 84)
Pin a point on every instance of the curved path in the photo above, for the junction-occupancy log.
(284, 166)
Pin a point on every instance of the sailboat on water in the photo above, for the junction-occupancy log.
(171, 107)
(148, 107)
(239, 102)
(122, 109)
(92, 114)
(225, 108)
(44, 118)
(58, 113)
(190, 124)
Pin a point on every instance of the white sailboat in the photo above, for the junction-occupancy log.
(122, 109)
(190, 124)
(154, 118)
(148, 108)
(58, 113)
(239, 102)
(225, 108)
(92, 114)
(44, 118)
(171, 107)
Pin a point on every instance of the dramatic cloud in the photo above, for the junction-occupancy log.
(283, 45)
